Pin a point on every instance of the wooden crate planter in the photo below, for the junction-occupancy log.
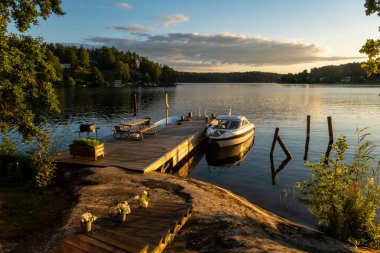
(89, 151)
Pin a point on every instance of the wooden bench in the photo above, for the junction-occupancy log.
(144, 129)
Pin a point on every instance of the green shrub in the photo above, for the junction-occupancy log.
(86, 142)
(345, 196)
(15, 167)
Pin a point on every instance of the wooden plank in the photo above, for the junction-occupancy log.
(99, 244)
(67, 248)
(110, 237)
(84, 246)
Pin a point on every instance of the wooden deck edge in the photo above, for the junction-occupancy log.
(169, 237)
(168, 155)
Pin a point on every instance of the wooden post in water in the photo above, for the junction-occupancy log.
(331, 136)
(167, 108)
(307, 138)
(135, 106)
(190, 115)
(284, 148)
(274, 140)
(277, 137)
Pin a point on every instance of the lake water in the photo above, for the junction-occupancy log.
(267, 105)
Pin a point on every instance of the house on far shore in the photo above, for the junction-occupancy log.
(347, 79)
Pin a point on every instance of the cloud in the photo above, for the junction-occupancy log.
(134, 29)
(188, 50)
(123, 5)
(171, 19)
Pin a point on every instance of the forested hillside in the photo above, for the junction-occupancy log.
(345, 73)
(103, 66)
(234, 77)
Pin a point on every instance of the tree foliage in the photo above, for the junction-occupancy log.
(233, 77)
(112, 64)
(27, 71)
(345, 196)
(347, 73)
(371, 47)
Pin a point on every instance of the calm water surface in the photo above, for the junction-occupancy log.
(267, 105)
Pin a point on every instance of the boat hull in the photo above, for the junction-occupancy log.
(231, 141)
(229, 156)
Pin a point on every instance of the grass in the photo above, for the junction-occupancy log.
(24, 211)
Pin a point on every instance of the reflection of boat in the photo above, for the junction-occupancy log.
(230, 130)
(229, 156)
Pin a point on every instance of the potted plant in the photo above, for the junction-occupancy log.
(123, 209)
(143, 200)
(87, 147)
(86, 221)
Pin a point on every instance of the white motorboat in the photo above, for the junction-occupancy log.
(230, 130)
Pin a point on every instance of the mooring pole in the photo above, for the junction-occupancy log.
(307, 138)
(274, 140)
(167, 108)
(331, 136)
(284, 148)
(135, 106)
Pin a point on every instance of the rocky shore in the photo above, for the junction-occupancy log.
(221, 221)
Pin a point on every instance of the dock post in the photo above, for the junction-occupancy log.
(307, 138)
(135, 106)
(331, 136)
(167, 108)
(207, 119)
(274, 140)
(213, 115)
(190, 115)
(284, 148)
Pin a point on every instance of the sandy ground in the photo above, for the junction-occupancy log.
(221, 221)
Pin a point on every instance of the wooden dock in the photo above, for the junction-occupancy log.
(160, 151)
(145, 230)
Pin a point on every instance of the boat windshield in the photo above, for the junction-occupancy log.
(228, 124)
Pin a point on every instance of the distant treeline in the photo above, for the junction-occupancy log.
(103, 66)
(345, 73)
(234, 77)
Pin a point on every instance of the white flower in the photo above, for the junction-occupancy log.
(137, 197)
(88, 217)
(123, 208)
(145, 192)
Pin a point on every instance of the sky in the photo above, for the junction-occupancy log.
(282, 36)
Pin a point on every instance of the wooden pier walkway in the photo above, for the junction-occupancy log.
(145, 230)
(166, 148)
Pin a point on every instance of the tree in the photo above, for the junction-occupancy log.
(96, 77)
(123, 71)
(84, 58)
(372, 47)
(26, 92)
(74, 61)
